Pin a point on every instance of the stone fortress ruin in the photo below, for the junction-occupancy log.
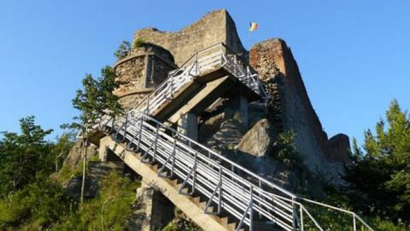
(205, 118)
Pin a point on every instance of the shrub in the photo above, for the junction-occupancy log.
(139, 42)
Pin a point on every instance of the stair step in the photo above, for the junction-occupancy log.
(224, 221)
(232, 226)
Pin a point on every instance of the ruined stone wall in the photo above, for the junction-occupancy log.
(139, 73)
(215, 27)
(130, 74)
(273, 60)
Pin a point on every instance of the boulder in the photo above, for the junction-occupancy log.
(258, 140)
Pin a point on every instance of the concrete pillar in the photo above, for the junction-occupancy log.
(153, 210)
(143, 209)
(188, 125)
(103, 150)
(238, 108)
(104, 153)
(243, 110)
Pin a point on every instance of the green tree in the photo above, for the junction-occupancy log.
(123, 50)
(61, 149)
(23, 155)
(93, 101)
(96, 98)
(381, 172)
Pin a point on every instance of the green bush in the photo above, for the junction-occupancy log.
(108, 211)
(40, 203)
(285, 150)
(139, 42)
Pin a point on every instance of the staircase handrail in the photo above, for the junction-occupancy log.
(213, 153)
(354, 215)
(227, 55)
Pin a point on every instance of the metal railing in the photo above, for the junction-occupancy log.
(211, 58)
(229, 186)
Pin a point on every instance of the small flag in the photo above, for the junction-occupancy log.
(253, 26)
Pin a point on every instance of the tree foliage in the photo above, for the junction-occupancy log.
(23, 155)
(123, 50)
(285, 150)
(96, 98)
(381, 171)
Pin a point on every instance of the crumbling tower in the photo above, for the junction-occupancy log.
(141, 71)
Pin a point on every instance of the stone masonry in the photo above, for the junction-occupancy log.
(216, 27)
(141, 71)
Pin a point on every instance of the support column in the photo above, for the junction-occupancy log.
(153, 210)
(188, 125)
(243, 110)
(103, 151)
(238, 106)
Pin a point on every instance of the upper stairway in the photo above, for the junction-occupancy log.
(207, 75)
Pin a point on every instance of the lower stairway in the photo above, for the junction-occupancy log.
(192, 206)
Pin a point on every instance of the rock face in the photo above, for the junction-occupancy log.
(95, 172)
(290, 102)
(258, 141)
(215, 27)
(74, 157)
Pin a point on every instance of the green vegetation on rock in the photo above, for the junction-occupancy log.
(110, 210)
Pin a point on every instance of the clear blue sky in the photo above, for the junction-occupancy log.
(354, 55)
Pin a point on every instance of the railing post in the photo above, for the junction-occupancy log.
(194, 177)
(294, 213)
(220, 190)
(171, 85)
(354, 222)
(261, 196)
(140, 132)
(155, 143)
(125, 128)
(251, 211)
(173, 155)
(302, 225)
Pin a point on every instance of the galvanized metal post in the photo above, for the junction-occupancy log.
(302, 225)
(294, 214)
(251, 211)
(354, 222)
(173, 155)
(194, 177)
(140, 132)
(220, 190)
(155, 143)
(261, 196)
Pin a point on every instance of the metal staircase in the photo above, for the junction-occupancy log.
(225, 185)
(206, 61)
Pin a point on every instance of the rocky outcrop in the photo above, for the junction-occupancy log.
(258, 141)
(291, 109)
(74, 157)
(95, 173)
